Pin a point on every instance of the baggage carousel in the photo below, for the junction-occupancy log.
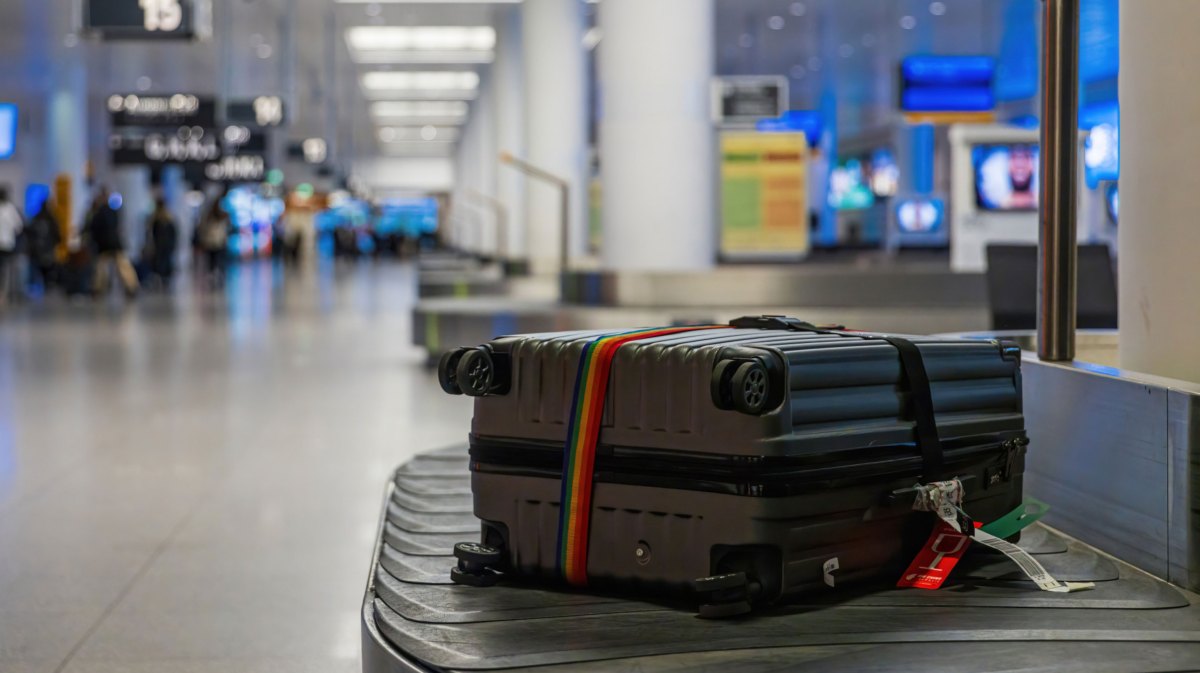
(988, 617)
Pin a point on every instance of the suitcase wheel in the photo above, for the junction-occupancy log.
(478, 554)
(719, 582)
(475, 564)
(744, 385)
(727, 595)
(750, 386)
(484, 579)
(723, 610)
(447, 371)
(475, 373)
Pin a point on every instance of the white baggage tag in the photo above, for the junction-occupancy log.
(1029, 565)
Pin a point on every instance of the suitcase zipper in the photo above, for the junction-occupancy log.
(995, 461)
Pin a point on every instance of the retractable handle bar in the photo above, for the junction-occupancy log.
(1057, 250)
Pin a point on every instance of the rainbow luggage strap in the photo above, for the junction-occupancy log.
(583, 433)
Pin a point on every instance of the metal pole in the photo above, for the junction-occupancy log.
(564, 224)
(564, 253)
(1058, 177)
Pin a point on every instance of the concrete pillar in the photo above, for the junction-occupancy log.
(555, 124)
(1158, 235)
(484, 158)
(656, 134)
(508, 88)
(67, 105)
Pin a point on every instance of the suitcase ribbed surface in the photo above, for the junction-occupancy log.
(842, 391)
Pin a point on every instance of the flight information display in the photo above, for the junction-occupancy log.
(141, 19)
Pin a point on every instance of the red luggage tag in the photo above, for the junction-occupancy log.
(950, 537)
(936, 559)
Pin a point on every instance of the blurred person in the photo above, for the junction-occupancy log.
(11, 225)
(299, 228)
(104, 230)
(42, 238)
(212, 236)
(162, 233)
(1021, 171)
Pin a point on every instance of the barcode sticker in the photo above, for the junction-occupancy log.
(1029, 565)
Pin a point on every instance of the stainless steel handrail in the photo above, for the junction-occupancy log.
(1058, 180)
(564, 187)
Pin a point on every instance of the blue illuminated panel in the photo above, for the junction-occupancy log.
(807, 122)
(947, 84)
(8, 130)
(946, 99)
(949, 71)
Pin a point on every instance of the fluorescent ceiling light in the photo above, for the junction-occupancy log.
(417, 149)
(414, 146)
(420, 111)
(428, 81)
(426, 85)
(427, 133)
(421, 44)
(431, 2)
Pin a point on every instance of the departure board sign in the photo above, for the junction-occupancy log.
(180, 109)
(764, 195)
(749, 98)
(227, 170)
(141, 19)
(263, 111)
(183, 145)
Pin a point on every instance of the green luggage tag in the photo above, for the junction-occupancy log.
(1017, 520)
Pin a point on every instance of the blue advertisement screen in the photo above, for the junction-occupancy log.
(8, 130)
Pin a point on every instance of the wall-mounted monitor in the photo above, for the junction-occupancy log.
(1006, 177)
(1102, 147)
(8, 130)
(920, 216)
(849, 186)
(947, 84)
(1112, 203)
(857, 181)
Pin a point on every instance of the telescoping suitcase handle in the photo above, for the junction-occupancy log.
(912, 367)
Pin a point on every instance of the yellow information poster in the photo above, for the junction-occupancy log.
(764, 195)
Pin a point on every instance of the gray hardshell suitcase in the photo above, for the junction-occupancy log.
(742, 463)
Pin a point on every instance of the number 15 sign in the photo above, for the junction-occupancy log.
(142, 19)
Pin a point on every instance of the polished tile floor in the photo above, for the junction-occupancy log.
(192, 483)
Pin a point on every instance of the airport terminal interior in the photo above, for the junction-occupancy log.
(838, 350)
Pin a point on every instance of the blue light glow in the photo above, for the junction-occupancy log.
(946, 99)
(36, 195)
(8, 130)
(807, 122)
(949, 71)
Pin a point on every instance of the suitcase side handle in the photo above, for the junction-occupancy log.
(780, 322)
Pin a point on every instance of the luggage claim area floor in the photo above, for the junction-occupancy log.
(211, 503)
(431, 336)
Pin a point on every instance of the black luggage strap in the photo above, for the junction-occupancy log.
(912, 365)
(912, 369)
